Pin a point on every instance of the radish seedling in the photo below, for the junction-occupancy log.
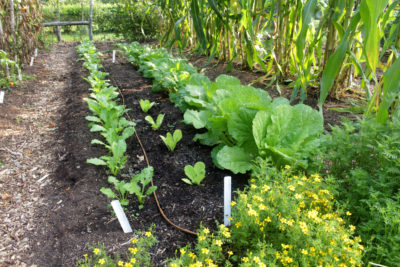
(155, 125)
(138, 185)
(146, 105)
(171, 140)
(195, 174)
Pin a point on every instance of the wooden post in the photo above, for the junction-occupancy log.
(91, 21)
(58, 29)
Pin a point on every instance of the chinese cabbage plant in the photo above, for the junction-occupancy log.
(170, 140)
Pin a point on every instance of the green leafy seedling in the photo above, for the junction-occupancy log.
(171, 140)
(138, 185)
(146, 105)
(155, 124)
(119, 187)
(195, 174)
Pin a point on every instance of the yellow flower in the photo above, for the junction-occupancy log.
(304, 227)
(284, 246)
(304, 251)
(268, 219)
(352, 227)
(230, 218)
(227, 234)
(192, 255)
(134, 240)
(102, 261)
(128, 264)
(262, 207)
(252, 212)
(96, 251)
(277, 255)
(202, 237)
(120, 263)
(230, 253)
(133, 260)
(287, 167)
(245, 259)
(348, 213)
(183, 251)
(291, 188)
(204, 251)
(173, 265)
(298, 196)
(253, 186)
(252, 181)
(85, 255)
(133, 250)
(206, 231)
(148, 234)
(233, 203)
(265, 188)
(238, 224)
(256, 259)
(218, 243)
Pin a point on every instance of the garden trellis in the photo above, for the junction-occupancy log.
(68, 23)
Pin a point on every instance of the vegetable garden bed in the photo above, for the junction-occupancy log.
(76, 214)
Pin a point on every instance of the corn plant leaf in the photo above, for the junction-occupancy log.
(198, 23)
(370, 11)
(307, 14)
(234, 159)
(391, 90)
(335, 62)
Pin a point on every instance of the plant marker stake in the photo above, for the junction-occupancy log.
(113, 58)
(121, 216)
(1, 97)
(31, 64)
(35, 52)
(19, 75)
(227, 199)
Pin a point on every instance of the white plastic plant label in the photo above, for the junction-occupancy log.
(35, 52)
(113, 57)
(227, 199)
(31, 64)
(1, 97)
(123, 221)
(19, 75)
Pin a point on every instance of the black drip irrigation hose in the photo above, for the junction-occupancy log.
(148, 164)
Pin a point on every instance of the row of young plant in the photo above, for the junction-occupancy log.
(237, 117)
(108, 120)
(249, 131)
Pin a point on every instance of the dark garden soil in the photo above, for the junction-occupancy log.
(51, 206)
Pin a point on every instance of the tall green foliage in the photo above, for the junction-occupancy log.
(295, 40)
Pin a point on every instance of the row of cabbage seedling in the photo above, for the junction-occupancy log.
(108, 120)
